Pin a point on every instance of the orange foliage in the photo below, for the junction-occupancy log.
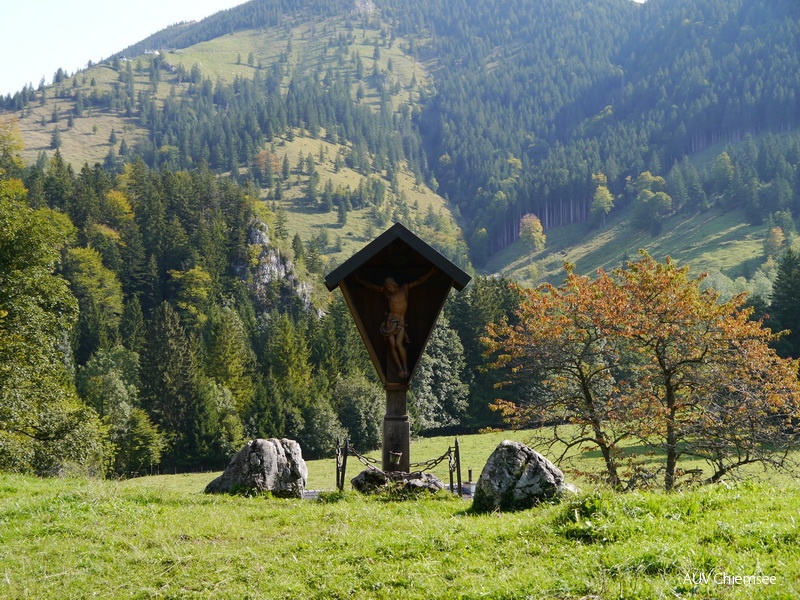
(645, 353)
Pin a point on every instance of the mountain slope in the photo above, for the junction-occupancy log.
(504, 107)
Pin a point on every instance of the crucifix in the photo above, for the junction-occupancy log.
(394, 327)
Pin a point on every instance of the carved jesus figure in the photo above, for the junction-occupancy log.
(393, 327)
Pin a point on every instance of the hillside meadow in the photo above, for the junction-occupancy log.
(161, 537)
(706, 241)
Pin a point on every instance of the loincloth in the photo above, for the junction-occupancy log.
(394, 327)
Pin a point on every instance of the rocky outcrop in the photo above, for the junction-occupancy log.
(272, 465)
(268, 268)
(374, 480)
(516, 477)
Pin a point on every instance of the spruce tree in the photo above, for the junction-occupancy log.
(229, 358)
(439, 395)
(784, 307)
(170, 383)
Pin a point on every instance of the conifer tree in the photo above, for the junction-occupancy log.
(133, 328)
(229, 358)
(439, 396)
(170, 383)
(784, 305)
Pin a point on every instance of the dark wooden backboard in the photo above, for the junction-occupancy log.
(398, 254)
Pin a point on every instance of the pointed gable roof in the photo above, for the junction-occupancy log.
(397, 232)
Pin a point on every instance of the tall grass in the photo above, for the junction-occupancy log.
(161, 537)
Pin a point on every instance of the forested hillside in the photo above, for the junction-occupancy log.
(535, 98)
(527, 100)
(166, 216)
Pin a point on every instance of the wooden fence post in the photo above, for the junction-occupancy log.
(458, 469)
(344, 462)
(450, 464)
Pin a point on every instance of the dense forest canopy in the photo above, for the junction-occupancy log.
(535, 97)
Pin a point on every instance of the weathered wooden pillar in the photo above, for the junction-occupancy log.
(396, 430)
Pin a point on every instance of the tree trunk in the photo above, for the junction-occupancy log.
(672, 445)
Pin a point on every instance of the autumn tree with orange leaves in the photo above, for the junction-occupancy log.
(560, 340)
(644, 354)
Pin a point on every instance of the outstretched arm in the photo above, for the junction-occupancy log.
(422, 279)
(367, 284)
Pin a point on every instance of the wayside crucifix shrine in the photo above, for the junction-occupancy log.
(395, 288)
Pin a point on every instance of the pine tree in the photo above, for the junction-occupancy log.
(229, 358)
(439, 395)
(784, 307)
(55, 139)
(133, 327)
(286, 169)
(280, 224)
(298, 247)
(170, 382)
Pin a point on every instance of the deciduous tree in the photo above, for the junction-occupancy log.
(703, 380)
(99, 295)
(38, 406)
(561, 341)
(531, 232)
(645, 352)
(602, 203)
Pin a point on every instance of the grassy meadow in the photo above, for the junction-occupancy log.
(161, 537)
(706, 241)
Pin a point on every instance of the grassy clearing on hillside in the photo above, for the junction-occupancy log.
(88, 139)
(161, 537)
(309, 222)
(705, 241)
(305, 49)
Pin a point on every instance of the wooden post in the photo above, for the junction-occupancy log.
(396, 430)
(338, 463)
(344, 461)
(458, 469)
(450, 465)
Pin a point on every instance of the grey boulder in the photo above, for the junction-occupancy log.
(374, 480)
(516, 477)
(272, 465)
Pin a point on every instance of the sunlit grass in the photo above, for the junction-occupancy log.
(705, 241)
(161, 537)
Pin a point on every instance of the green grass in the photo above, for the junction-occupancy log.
(161, 537)
(705, 241)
